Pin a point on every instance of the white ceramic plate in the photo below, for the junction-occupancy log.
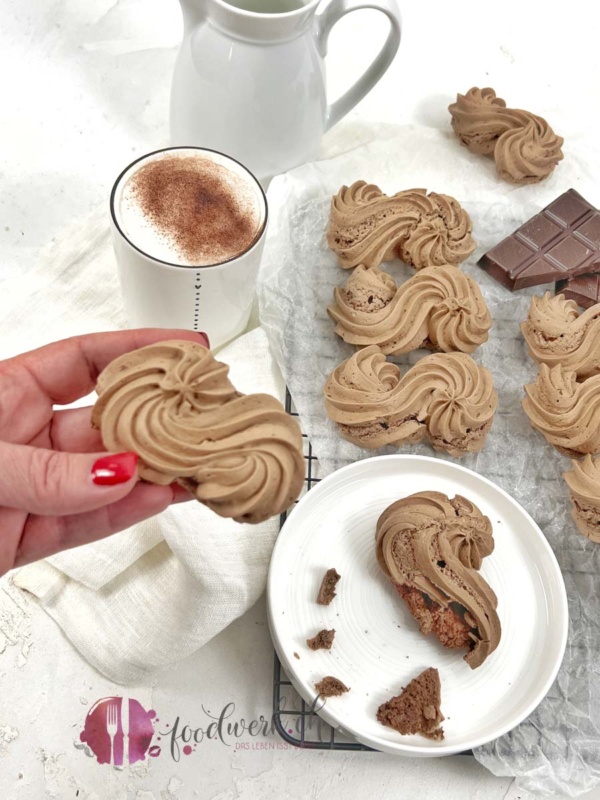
(378, 647)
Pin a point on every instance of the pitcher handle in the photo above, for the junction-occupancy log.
(332, 13)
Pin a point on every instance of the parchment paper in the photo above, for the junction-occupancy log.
(557, 749)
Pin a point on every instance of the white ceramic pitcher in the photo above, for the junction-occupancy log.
(250, 77)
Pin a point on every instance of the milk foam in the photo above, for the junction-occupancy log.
(159, 240)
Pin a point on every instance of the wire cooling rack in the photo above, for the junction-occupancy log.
(295, 721)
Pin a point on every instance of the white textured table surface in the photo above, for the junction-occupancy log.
(72, 114)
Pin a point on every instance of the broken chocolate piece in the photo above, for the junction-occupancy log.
(328, 584)
(584, 290)
(559, 243)
(417, 708)
(322, 640)
(331, 687)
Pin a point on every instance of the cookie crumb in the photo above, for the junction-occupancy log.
(322, 640)
(417, 708)
(327, 589)
(331, 687)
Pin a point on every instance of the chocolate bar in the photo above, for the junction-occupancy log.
(585, 290)
(559, 243)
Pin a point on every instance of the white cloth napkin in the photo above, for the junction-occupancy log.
(146, 597)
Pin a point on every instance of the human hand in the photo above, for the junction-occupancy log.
(58, 486)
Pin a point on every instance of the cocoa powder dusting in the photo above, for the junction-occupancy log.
(195, 204)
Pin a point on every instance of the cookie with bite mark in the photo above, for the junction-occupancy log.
(431, 548)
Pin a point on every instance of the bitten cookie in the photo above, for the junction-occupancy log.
(524, 146)
(368, 227)
(446, 398)
(439, 307)
(173, 404)
(431, 548)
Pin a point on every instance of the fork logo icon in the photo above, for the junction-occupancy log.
(118, 730)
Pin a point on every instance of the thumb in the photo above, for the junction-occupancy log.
(50, 482)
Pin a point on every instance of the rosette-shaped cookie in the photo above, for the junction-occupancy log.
(173, 405)
(475, 119)
(439, 307)
(584, 486)
(431, 548)
(567, 413)
(556, 333)
(368, 227)
(529, 153)
(446, 398)
(524, 146)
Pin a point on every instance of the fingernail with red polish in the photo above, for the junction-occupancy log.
(114, 468)
(206, 337)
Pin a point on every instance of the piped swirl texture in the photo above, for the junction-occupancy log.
(566, 412)
(556, 333)
(524, 146)
(446, 398)
(173, 404)
(584, 487)
(423, 230)
(429, 543)
(439, 307)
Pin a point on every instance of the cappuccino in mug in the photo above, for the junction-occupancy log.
(189, 208)
(188, 229)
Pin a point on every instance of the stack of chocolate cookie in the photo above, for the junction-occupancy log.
(446, 397)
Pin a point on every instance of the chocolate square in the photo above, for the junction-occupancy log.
(539, 231)
(560, 242)
(589, 232)
(568, 208)
(568, 253)
(513, 253)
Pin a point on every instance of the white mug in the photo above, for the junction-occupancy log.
(250, 77)
(215, 299)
